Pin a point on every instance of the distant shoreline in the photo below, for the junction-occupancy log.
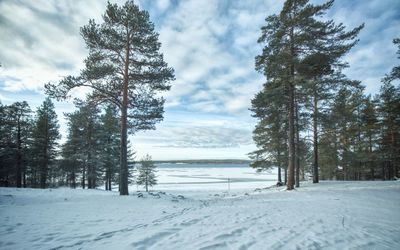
(205, 161)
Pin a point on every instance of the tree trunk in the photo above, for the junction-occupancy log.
(393, 169)
(285, 171)
(297, 179)
(43, 175)
(315, 142)
(24, 177)
(279, 175)
(372, 171)
(124, 129)
(43, 172)
(279, 167)
(73, 178)
(83, 176)
(19, 156)
(292, 156)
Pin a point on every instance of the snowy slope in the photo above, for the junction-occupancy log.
(330, 215)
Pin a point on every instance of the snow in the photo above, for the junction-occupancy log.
(212, 178)
(329, 215)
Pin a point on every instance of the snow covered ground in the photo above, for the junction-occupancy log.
(329, 215)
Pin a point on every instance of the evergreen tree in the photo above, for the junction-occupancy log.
(340, 136)
(73, 150)
(110, 143)
(147, 170)
(290, 37)
(15, 134)
(389, 112)
(124, 67)
(7, 147)
(370, 135)
(270, 134)
(21, 114)
(395, 73)
(45, 137)
(84, 146)
(90, 119)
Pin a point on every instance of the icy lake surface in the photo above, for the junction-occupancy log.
(220, 176)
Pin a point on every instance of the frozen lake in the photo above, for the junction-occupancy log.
(213, 177)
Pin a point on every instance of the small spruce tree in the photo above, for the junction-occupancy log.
(147, 171)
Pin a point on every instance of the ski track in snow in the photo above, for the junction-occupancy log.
(330, 215)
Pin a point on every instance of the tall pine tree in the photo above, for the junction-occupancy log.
(125, 68)
(289, 38)
(45, 137)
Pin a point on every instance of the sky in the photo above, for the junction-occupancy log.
(211, 44)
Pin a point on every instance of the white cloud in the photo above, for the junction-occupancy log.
(374, 56)
(163, 5)
(196, 43)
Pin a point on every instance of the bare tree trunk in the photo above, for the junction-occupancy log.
(279, 167)
(124, 129)
(83, 176)
(292, 153)
(297, 179)
(285, 171)
(292, 156)
(315, 140)
(44, 165)
(279, 175)
(73, 179)
(24, 177)
(19, 156)
(43, 175)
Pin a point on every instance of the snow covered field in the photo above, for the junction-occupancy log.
(330, 215)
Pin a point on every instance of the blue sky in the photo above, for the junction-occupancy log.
(210, 43)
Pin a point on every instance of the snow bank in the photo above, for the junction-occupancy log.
(330, 215)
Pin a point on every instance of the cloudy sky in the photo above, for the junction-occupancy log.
(211, 44)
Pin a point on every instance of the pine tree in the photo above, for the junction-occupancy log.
(73, 150)
(84, 146)
(7, 147)
(72, 162)
(389, 112)
(15, 133)
(21, 114)
(370, 133)
(110, 142)
(45, 137)
(340, 137)
(291, 37)
(147, 170)
(90, 119)
(125, 68)
(395, 73)
(270, 133)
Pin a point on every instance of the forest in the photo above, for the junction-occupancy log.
(312, 119)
